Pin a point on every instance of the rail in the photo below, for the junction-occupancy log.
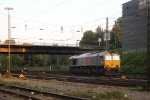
(92, 80)
(34, 94)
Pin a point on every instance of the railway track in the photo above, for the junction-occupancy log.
(60, 73)
(30, 94)
(47, 73)
(92, 80)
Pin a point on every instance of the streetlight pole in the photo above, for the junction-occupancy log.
(107, 34)
(9, 37)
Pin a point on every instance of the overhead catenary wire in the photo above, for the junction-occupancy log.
(55, 25)
(81, 12)
(102, 18)
(42, 12)
(27, 20)
(2, 2)
(26, 8)
(48, 9)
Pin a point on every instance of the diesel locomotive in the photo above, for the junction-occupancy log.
(101, 63)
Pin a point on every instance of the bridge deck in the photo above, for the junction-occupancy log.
(38, 49)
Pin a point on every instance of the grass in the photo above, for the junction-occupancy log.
(81, 93)
(46, 89)
(13, 84)
(51, 80)
(60, 68)
(114, 95)
(137, 88)
(45, 68)
(87, 93)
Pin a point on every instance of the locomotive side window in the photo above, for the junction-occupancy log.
(74, 61)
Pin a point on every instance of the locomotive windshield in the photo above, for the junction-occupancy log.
(116, 57)
(108, 57)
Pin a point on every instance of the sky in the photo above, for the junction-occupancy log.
(56, 21)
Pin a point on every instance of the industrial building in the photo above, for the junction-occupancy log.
(134, 25)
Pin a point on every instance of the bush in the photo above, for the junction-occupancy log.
(134, 63)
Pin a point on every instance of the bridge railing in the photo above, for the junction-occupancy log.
(55, 44)
(41, 44)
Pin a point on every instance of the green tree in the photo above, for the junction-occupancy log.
(100, 34)
(116, 39)
(88, 38)
(2, 61)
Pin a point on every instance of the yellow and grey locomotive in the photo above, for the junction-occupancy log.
(95, 63)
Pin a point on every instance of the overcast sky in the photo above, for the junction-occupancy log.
(56, 21)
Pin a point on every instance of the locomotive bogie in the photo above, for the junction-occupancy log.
(86, 70)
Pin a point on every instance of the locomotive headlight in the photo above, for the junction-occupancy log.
(117, 66)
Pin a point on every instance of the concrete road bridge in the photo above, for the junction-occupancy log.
(67, 49)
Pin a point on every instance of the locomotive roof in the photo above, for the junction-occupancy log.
(89, 55)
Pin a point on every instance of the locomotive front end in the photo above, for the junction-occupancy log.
(112, 61)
